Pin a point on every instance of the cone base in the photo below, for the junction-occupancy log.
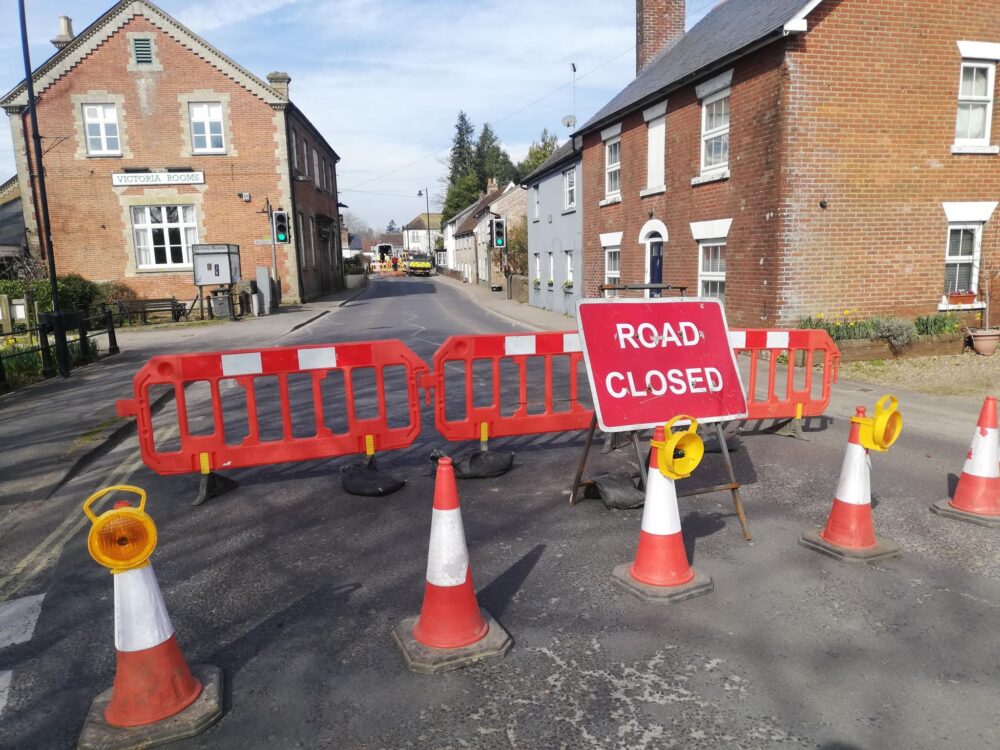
(701, 584)
(883, 549)
(204, 712)
(945, 509)
(427, 660)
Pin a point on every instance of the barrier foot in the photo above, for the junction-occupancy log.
(944, 509)
(427, 660)
(204, 712)
(702, 583)
(791, 428)
(884, 549)
(213, 485)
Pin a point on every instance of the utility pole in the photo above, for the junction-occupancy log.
(427, 195)
(45, 232)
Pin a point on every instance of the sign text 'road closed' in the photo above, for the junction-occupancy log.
(652, 359)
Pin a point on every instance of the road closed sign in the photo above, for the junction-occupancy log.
(650, 360)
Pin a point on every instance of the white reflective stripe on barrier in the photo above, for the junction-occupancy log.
(571, 342)
(513, 345)
(738, 339)
(448, 557)
(984, 454)
(241, 364)
(777, 339)
(660, 515)
(317, 359)
(141, 619)
(855, 481)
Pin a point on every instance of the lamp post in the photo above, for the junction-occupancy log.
(45, 233)
(427, 195)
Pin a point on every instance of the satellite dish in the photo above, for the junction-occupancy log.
(569, 121)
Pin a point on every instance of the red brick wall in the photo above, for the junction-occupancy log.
(872, 103)
(749, 197)
(657, 23)
(89, 229)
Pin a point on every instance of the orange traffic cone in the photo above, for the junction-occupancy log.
(977, 496)
(452, 630)
(661, 571)
(849, 534)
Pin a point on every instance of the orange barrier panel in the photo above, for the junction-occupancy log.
(209, 450)
(801, 390)
(488, 420)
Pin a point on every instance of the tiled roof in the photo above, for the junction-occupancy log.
(731, 27)
(421, 223)
(475, 211)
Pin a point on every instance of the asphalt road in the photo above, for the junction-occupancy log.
(291, 586)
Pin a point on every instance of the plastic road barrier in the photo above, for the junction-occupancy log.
(797, 395)
(210, 450)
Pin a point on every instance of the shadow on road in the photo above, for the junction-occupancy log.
(697, 525)
(497, 595)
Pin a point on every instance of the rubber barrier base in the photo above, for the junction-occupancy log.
(426, 660)
(943, 508)
(883, 549)
(204, 712)
(213, 485)
(366, 480)
(702, 583)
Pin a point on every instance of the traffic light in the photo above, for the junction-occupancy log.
(281, 233)
(499, 233)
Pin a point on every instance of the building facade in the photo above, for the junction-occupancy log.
(163, 143)
(415, 234)
(511, 207)
(555, 231)
(796, 158)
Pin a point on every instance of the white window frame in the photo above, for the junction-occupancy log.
(552, 267)
(990, 66)
(610, 275)
(317, 176)
(710, 276)
(142, 235)
(301, 243)
(977, 229)
(538, 266)
(537, 203)
(102, 121)
(295, 149)
(207, 122)
(305, 157)
(708, 135)
(569, 189)
(312, 241)
(569, 266)
(612, 168)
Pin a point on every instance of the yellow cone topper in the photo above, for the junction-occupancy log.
(122, 538)
(878, 433)
(680, 452)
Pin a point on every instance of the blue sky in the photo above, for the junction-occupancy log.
(385, 79)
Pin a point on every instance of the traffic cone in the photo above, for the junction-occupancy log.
(977, 496)
(849, 534)
(661, 571)
(452, 630)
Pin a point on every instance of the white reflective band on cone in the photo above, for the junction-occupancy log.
(448, 558)
(660, 515)
(984, 454)
(141, 619)
(855, 481)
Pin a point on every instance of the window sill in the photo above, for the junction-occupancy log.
(105, 156)
(956, 149)
(610, 200)
(209, 153)
(722, 174)
(535, 221)
(652, 191)
(170, 269)
(569, 211)
(972, 306)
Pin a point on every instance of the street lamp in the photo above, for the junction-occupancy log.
(427, 195)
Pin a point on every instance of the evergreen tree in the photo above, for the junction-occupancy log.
(538, 152)
(460, 196)
(462, 159)
(491, 160)
(391, 227)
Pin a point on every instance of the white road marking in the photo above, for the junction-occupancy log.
(18, 618)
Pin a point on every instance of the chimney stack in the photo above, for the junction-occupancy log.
(491, 185)
(658, 24)
(65, 32)
(279, 82)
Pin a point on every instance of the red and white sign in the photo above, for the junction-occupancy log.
(650, 360)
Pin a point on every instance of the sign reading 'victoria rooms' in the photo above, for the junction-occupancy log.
(142, 179)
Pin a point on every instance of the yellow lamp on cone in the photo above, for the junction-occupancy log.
(680, 452)
(879, 432)
(122, 538)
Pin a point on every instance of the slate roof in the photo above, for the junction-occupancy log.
(560, 156)
(420, 223)
(473, 213)
(728, 30)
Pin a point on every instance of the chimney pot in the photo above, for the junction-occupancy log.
(279, 82)
(65, 32)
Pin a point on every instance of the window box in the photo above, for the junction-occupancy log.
(961, 298)
(536, 283)
(551, 283)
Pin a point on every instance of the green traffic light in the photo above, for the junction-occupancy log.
(282, 237)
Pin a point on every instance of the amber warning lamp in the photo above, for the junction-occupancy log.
(878, 433)
(680, 452)
(122, 538)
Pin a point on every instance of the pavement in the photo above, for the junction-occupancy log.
(81, 423)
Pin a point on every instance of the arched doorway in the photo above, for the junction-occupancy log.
(653, 235)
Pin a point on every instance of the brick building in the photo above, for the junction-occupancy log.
(154, 141)
(798, 157)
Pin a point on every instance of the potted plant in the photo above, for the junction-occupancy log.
(536, 282)
(551, 283)
(986, 339)
(961, 297)
(354, 272)
(568, 286)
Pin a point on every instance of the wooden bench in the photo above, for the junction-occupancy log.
(143, 307)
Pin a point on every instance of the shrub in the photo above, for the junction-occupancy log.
(77, 293)
(937, 324)
(897, 332)
(112, 293)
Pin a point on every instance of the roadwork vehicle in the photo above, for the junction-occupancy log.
(419, 264)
